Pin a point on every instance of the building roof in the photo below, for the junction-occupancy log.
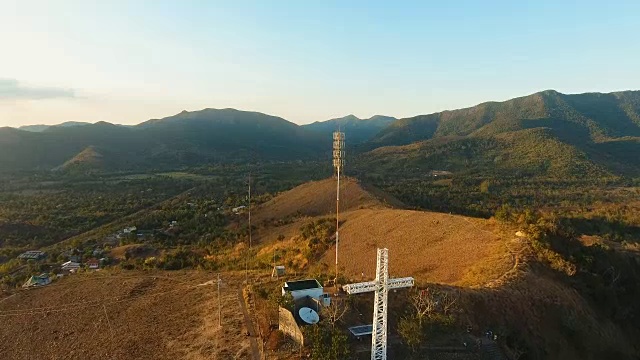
(71, 264)
(302, 285)
(32, 254)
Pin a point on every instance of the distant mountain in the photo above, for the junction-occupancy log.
(356, 130)
(40, 128)
(564, 134)
(185, 139)
(543, 134)
(582, 117)
(87, 160)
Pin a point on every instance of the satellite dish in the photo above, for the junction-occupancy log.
(308, 315)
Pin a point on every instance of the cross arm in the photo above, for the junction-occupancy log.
(370, 286)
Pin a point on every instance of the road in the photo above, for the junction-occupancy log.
(247, 320)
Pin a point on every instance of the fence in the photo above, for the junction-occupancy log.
(287, 324)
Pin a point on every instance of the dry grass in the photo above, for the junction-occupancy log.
(432, 247)
(316, 198)
(149, 315)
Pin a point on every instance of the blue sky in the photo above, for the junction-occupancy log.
(128, 61)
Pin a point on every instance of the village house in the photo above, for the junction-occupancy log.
(32, 255)
(93, 264)
(129, 230)
(35, 281)
(236, 210)
(70, 266)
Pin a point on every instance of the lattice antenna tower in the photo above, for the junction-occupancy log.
(338, 166)
(249, 250)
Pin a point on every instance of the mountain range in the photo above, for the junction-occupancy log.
(546, 134)
(358, 130)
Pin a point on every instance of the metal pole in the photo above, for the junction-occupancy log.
(337, 222)
(219, 304)
(246, 269)
(249, 210)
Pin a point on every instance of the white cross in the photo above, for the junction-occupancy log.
(381, 286)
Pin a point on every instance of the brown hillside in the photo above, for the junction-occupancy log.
(430, 246)
(132, 315)
(501, 285)
(317, 198)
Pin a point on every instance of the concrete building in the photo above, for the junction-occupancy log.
(302, 288)
(70, 266)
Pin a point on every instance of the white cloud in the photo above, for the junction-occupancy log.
(12, 89)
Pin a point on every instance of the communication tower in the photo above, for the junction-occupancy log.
(338, 165)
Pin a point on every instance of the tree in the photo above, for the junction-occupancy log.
(335, 311)
(424, 304)
(410, 329)
(318, 339)
(339, 347)
(448, 301)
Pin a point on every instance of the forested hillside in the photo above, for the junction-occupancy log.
(358, 130)
(186, 139)
(545, 134)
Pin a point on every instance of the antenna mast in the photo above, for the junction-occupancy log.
(249, 251)
(338, 164)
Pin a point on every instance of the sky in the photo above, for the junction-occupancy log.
(129, 61)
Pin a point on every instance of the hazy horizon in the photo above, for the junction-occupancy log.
(333, 118)
(125, 62)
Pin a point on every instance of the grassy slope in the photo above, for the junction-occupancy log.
(146, 315)
(502, 288)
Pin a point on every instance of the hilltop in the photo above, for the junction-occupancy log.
(87, 159)
(418, 241)
(501, 278)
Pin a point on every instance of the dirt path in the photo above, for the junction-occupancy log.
(250, 328)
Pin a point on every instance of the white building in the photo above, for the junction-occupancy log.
(70, 265)
(236, 210)
(129, 230)
(303, 288)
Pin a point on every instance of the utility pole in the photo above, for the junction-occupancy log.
(249, 251)
(219, 304)
(338, 164)
(249, 209)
